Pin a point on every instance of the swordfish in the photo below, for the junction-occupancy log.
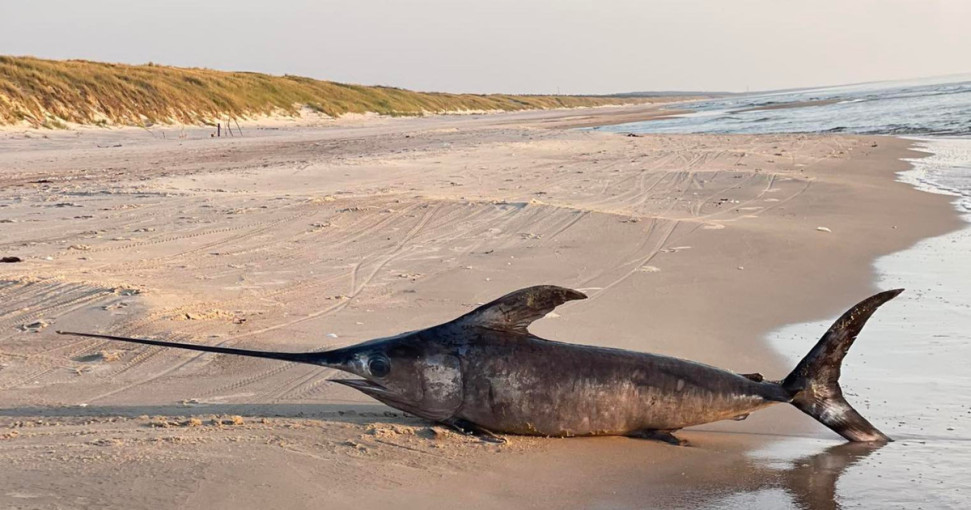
(484, 373)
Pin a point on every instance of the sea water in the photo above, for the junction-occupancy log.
(938, 107)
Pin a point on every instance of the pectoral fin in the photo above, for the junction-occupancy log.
(470, 429)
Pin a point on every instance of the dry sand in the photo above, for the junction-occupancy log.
(300, 239)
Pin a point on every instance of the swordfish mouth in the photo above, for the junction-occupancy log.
(367, 387)
(385, 396)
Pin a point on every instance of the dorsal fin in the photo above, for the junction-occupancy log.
(515, 311)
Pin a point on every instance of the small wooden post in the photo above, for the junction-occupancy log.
(219, 129)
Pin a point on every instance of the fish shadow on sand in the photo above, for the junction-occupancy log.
(811, 481)
(731, 477)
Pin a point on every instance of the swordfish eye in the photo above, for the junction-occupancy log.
(379, 366)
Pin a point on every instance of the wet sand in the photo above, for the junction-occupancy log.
(310, 238)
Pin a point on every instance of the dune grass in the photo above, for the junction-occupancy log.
(50, 93)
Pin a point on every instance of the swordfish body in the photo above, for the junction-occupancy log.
(486, 373)
(549, 388)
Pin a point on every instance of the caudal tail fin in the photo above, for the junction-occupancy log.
(814, 383)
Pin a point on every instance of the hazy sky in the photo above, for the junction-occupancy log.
(528, 46)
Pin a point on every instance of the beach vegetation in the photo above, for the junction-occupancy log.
(52, 93)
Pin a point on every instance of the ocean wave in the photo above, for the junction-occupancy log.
(931, 108)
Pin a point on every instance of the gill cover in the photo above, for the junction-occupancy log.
(441, 382)
(428, 386)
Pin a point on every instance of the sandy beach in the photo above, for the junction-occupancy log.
(309, 238)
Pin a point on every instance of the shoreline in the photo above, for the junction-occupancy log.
(909, 356)
(640, 222)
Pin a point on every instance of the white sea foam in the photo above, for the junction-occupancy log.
(946, 171)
